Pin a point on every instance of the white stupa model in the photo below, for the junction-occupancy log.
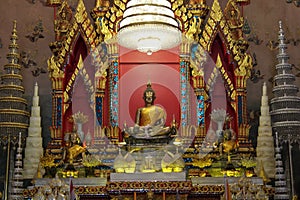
(34, 141)
(265, 141)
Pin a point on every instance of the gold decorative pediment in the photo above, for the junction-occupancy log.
(81, 24)
(228, 28)
(216, 23)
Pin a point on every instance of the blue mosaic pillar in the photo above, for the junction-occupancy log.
(184, 93)
(114, 93)
(240, 109)
(58, 118)
(99, 110)
(200, 110)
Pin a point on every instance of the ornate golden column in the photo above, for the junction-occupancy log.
(57, 76)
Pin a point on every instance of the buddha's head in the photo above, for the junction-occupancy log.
(149, 95)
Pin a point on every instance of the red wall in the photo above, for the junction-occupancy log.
(136, 69)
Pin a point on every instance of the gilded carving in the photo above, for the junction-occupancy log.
(234, 19)
(245, 66)
(216, 12)
(243, 59)
(197, 60)
(54, 70)
(193, 28)
(101, 72)
(62, 23)
(105, 31)
(230, 26)
(121, 5)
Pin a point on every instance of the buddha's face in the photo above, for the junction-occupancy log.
(149, 97)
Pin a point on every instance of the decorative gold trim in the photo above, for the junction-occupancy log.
(14, 125)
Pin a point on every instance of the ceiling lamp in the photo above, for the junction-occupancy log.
(149, 26)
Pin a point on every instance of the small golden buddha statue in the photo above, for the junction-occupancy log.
(150, 120)
(74, 149)
(229, 142)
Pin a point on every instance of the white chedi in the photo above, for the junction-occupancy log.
(265, 141)
(34, 141)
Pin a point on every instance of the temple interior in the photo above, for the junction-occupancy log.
(149, 99)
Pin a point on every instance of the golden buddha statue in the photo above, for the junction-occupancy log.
(229, 142)
(74, 150)
(150, 120)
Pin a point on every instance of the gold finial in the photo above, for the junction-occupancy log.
(15, 25)
(80, 62)
(149, 83)
(219, 62)
(14, 31)
(38, 172)
(280, 24)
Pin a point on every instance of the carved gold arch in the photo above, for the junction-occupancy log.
(82, 25)
(79, 25)
(194, 22)
(217, 23)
